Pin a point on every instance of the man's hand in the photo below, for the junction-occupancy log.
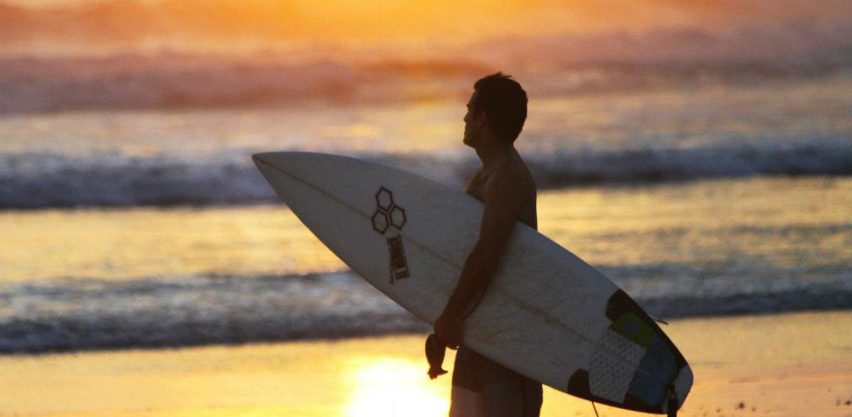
(449, 330)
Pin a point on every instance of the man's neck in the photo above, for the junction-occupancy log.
(492, 157)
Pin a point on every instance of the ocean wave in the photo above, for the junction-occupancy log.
(86, 314)
(44, 180)
(82, 314)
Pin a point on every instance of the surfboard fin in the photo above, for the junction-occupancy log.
(658, 320)
(435, 351)
(671, 407)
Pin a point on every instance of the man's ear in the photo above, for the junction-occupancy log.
(481, 119)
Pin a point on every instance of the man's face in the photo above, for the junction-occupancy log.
(473, 123)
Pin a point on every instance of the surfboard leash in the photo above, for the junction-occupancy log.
(671, 408)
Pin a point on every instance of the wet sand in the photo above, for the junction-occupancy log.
(780, 365)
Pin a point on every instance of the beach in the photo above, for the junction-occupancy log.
(784, 365)
(698, 154)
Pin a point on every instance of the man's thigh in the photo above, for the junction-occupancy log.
(482, 387)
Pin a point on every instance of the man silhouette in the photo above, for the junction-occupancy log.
(495, 116)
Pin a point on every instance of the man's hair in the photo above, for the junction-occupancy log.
(505, 104)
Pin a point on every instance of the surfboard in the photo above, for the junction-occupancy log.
(547, 314)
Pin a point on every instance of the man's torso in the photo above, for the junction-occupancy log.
(482, 387)
(477, 187)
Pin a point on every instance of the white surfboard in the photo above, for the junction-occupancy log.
(547, 314)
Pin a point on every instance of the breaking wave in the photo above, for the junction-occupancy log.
(42, 180)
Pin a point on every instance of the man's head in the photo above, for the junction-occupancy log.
(497, 108)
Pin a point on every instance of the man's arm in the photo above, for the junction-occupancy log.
(504, 199)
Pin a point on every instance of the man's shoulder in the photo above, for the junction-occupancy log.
(513, 179)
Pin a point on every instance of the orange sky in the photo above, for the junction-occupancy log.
(348, 21)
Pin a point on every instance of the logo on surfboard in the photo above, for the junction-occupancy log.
(388, 220)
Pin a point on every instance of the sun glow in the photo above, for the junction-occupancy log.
(394, 387)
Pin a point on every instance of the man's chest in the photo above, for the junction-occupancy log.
(478, 185)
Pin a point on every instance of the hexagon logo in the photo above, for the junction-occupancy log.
(384, 199)
(397, 217)
(388, 215)
(380, 222)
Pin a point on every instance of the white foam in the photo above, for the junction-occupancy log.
(39, 180)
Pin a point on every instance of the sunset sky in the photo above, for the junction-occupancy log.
(384, 20)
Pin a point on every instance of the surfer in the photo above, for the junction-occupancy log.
(495, 116)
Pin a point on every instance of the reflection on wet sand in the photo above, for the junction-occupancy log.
(747, 360)
(386, 387)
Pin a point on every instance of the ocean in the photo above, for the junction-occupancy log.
(134, 217)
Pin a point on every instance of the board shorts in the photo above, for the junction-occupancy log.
(483, 388)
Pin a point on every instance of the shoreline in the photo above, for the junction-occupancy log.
(408, 325)
(784, 365)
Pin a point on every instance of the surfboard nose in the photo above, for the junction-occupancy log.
(281, 169)
(264, 163)
(288, 160)
(263, 158)
(269, 162)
